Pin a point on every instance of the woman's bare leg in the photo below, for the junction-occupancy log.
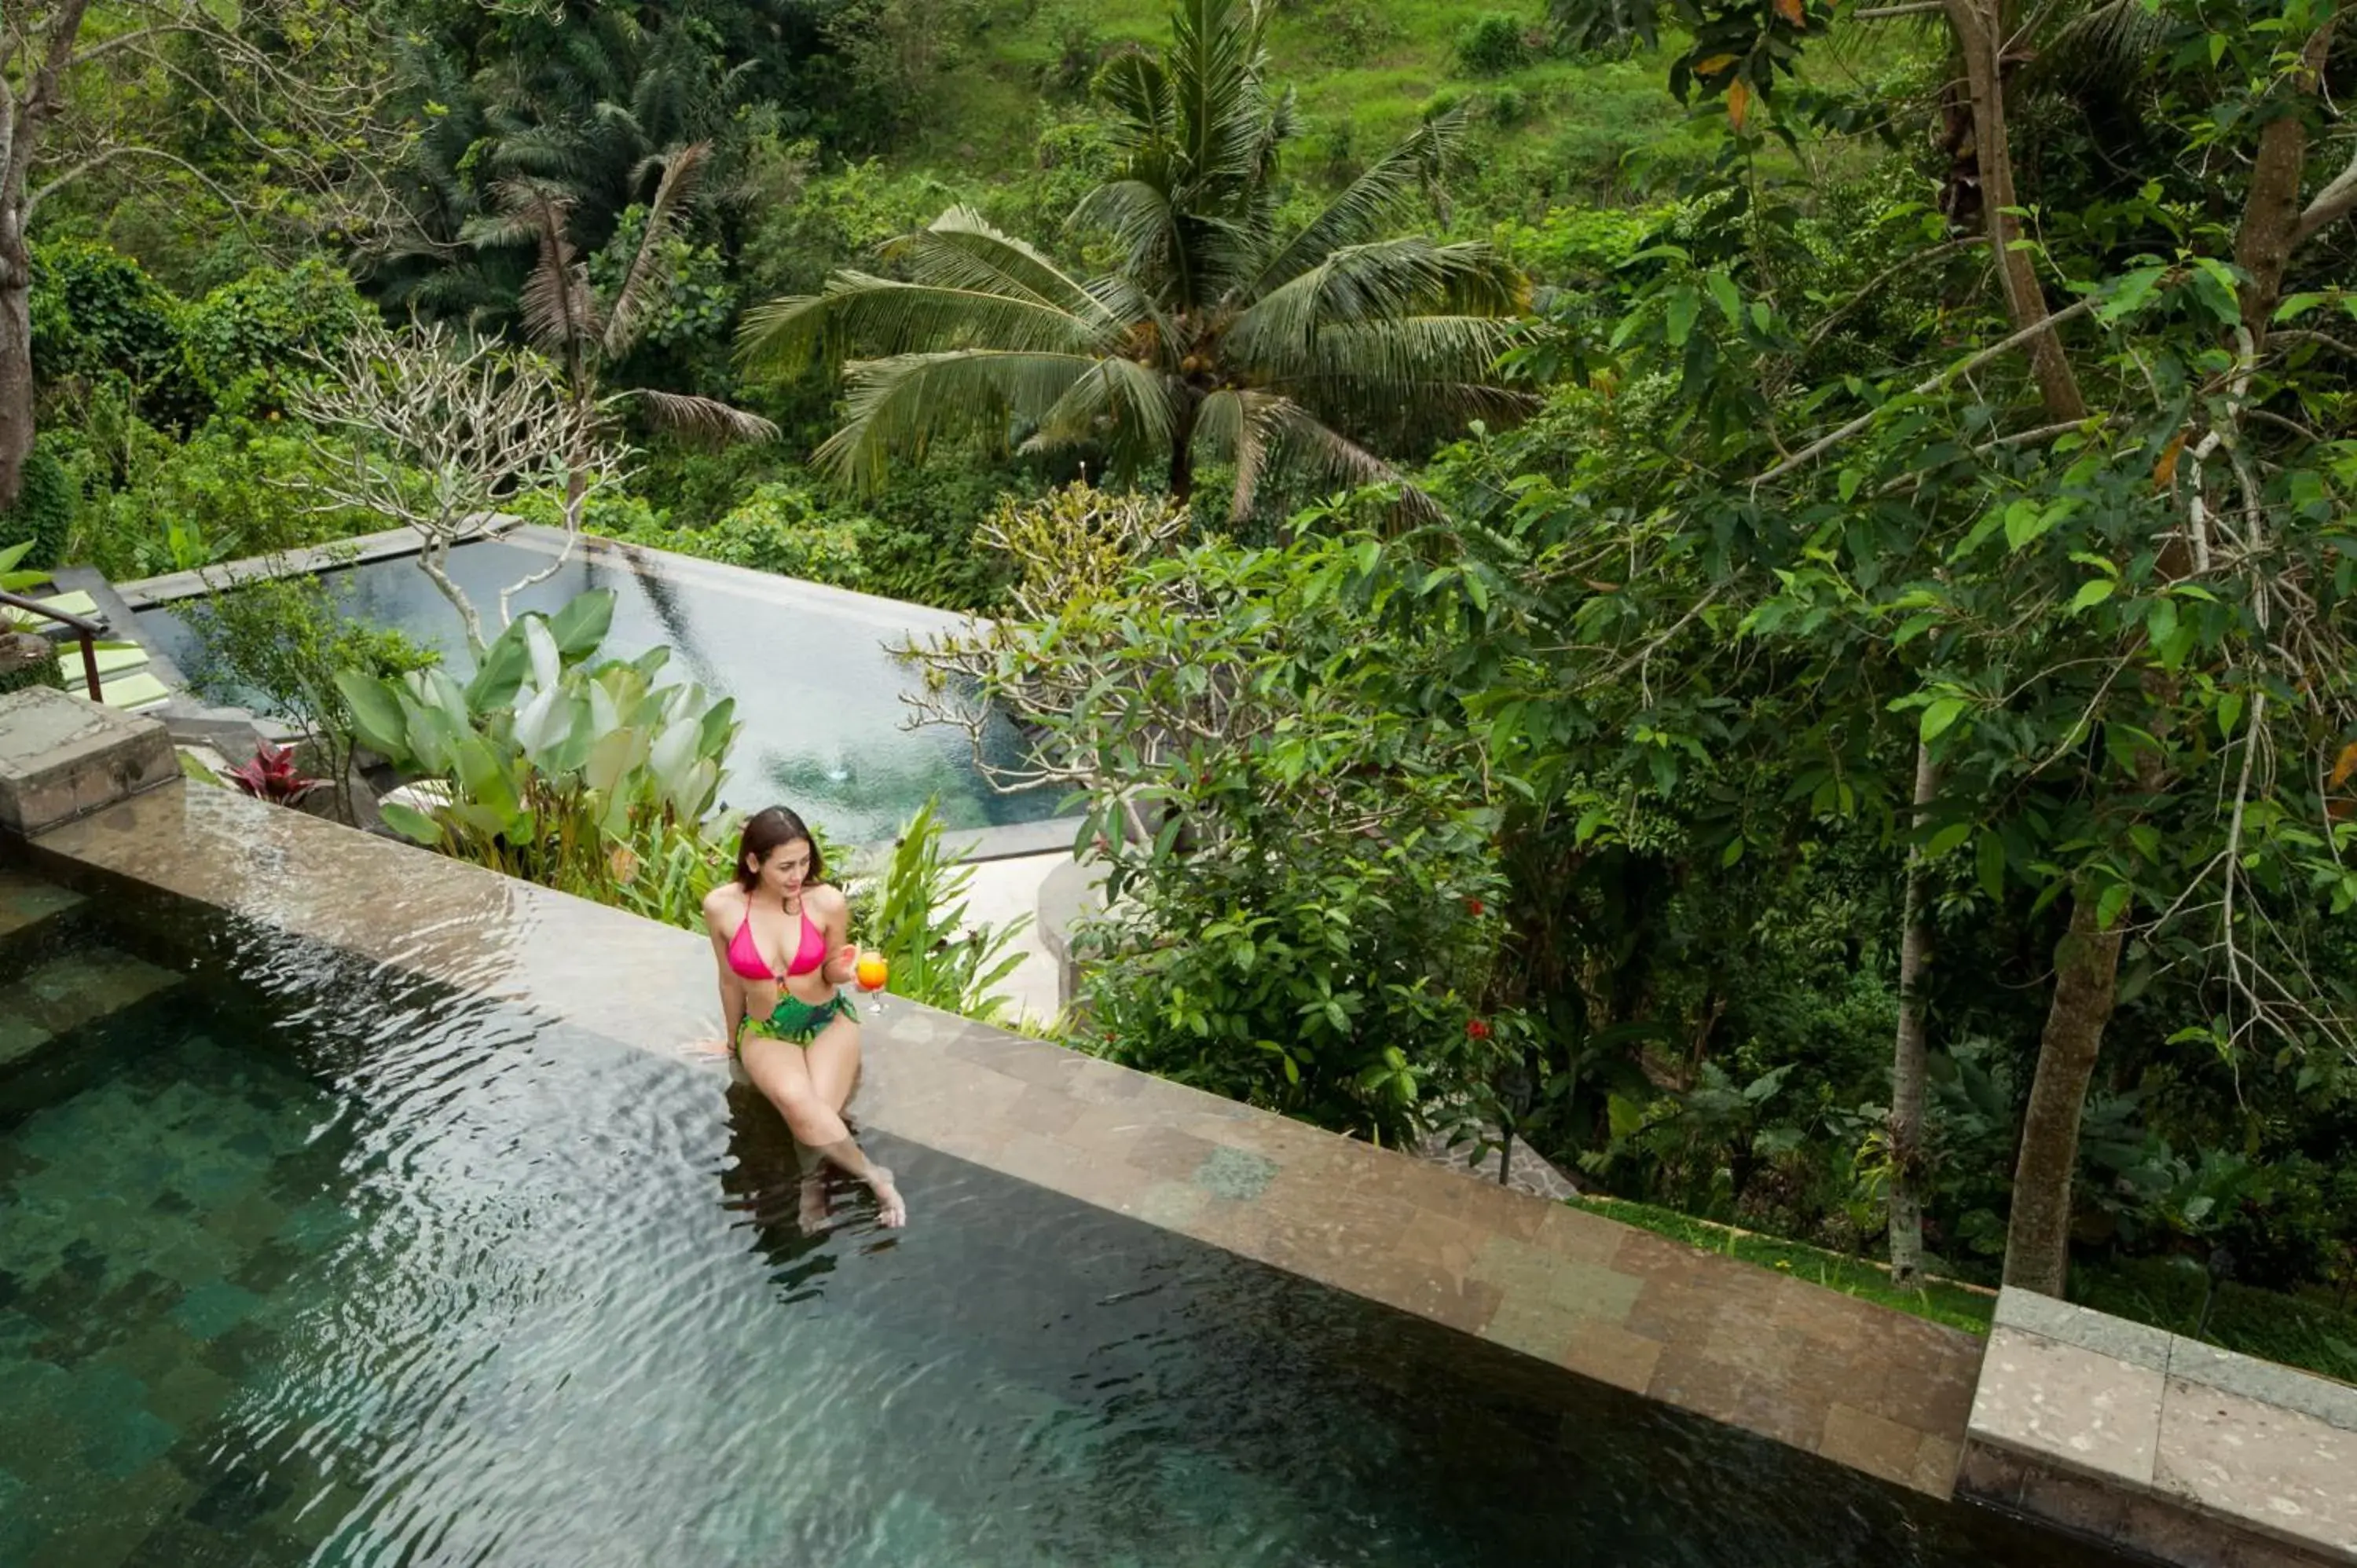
(788, 1075)
(833, 1060)
(812, 1213)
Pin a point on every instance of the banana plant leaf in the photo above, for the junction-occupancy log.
(412, 823)
(582, 624)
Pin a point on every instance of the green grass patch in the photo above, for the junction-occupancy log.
(2312, 1332)
(1941, 1301)
(1364, 70)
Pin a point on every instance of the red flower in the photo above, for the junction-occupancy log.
(1475, 1029)
(1473, 907)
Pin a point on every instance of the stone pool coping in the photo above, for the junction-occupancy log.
(764, 587)
(359, 550)
(1855, 1383)
(2161, 1443)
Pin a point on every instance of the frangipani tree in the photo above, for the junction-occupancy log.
(587, 333)
(438, 434)
(1218, 335)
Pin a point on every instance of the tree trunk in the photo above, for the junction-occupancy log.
(16, 428)
(2086, 972)
(434, 561)
(1182, 453)
(1906, 1130)
(1979, 29)
(24, 116)
(2272, 214)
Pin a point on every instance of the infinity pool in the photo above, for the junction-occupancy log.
(819, 694)
(306, 1264)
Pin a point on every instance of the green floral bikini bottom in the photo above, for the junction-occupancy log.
(798, 1022)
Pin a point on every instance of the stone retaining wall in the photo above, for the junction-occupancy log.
(2160, 1443)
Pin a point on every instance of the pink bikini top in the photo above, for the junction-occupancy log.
(745, 953)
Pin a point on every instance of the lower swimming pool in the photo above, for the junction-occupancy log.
(305, 1263)
(818, 692)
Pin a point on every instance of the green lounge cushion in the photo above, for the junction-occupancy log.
(137, 690)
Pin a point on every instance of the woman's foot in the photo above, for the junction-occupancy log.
(891, 1212)
(813, 1215)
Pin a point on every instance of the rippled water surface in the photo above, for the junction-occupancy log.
(307, 1266)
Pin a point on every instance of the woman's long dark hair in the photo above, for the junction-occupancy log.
(765, 833)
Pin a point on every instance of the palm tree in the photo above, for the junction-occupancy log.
(579, 98)
(1217, 336)
(583, 334)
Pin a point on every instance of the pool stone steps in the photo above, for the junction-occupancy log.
(58, 984)
(27, 904)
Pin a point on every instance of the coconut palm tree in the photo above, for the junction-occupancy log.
(586, 333)
(577, 98)
(1217, 335)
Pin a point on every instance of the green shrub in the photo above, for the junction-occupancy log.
(268, 323)
(778, 528)
(781, 528)
(1351, 32)
(919, 922)
(279, 641)
(1301, 878)
(1606, 26)
(916, 545)
(1491, 45)
(43, 517)
(233, 489)
(1075, 48)
(1575, 244)
(96, 310)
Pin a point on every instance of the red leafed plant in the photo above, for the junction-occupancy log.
(272, 776)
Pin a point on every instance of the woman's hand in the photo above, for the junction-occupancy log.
(842, 965)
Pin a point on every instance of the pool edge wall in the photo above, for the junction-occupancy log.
(1866, 1387)
(2159, 1444)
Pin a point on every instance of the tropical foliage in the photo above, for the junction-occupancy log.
(1752, 595)
(556, 766)
(276, 644)
(914, 910)
(1220, 334)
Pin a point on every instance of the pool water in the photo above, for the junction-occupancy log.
(818, 692)
(306, 1264)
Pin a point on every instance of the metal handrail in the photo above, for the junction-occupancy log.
(86, 632)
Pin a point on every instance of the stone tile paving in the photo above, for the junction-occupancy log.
(2194, 1453)
(1867, 1387)
(25, 901)
(151, 1219)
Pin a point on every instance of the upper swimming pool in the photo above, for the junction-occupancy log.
(808, 666)
(305, 1263)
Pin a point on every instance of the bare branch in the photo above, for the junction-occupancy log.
(2333, 203)
(1820, 448)
(99, 160)
(425, 430)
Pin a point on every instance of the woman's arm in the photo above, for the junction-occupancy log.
(835, 923)
(717, 906)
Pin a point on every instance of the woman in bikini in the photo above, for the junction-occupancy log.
(782, 940)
